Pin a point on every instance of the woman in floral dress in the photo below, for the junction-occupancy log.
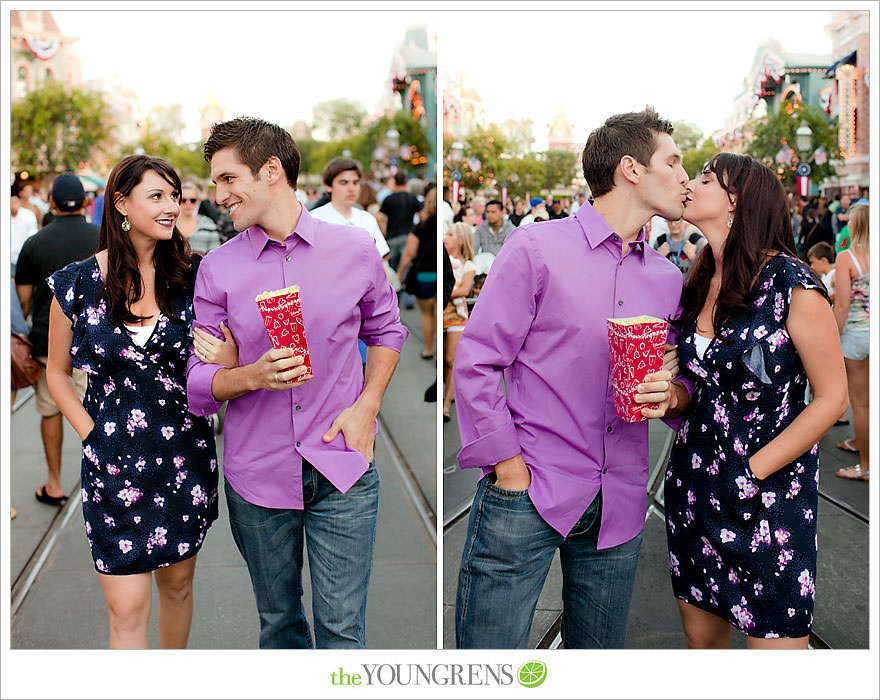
(741, 486)
(149, 469)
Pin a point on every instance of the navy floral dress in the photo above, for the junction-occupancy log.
(149, 468)
(742, 548)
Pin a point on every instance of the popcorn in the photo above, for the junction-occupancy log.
(636, 345)
(282, 314)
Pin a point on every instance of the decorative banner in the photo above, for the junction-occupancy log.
(785, 155)
(825, 98)
(456, 184)
(803, 171)
(44, 49)
(474, 164)
(820, 157)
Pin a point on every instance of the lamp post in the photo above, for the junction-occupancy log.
(804, 142)
(456, 153)
(392, 137)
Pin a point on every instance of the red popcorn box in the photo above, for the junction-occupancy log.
(282, 314)
(637, 345)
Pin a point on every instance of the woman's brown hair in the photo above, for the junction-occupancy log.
(123, 285)
(761, 224)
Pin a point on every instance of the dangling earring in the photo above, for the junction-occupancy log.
(729, 220)
(126, 226)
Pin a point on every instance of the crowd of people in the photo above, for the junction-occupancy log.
(144, 325)
(755, 375)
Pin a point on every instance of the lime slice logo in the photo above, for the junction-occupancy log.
(531, 674)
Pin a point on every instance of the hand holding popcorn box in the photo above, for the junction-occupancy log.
(282, 314)
(637, 345)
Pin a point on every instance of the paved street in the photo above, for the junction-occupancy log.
(841, 614)
(56, 598)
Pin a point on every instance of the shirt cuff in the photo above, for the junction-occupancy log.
(199, 393)
(688, 384)
(488, 450)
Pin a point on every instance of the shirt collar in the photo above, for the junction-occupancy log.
(305, 229)
(597, 230)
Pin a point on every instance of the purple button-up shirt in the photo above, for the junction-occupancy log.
(345, 296)
(540, 322)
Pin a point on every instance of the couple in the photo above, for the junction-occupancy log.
(561, 471)
(166, 337)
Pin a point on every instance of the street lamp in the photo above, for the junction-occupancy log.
(804, 142)
(804, 137)
(456, 153)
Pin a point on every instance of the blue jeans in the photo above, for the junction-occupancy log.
(339, 530)
(506, 558)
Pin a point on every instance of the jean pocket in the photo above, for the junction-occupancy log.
(506, 493)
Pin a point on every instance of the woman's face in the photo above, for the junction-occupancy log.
(189, 201)
(152, 208)
(450, 243)
(707, 201)
(469, 216)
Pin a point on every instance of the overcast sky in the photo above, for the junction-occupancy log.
(690, 65)
(272, 64)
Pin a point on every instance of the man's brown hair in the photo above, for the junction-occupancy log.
(255, 141)
(632, 134)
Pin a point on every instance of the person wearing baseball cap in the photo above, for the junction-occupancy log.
(67, 238)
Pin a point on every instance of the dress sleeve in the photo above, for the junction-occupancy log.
(65, 285)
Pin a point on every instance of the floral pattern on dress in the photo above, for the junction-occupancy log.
(742, 548)
(149, 468)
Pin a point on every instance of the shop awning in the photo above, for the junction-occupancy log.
(848, 60)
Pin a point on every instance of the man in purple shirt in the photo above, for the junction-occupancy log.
(560, 469)
(298, 456)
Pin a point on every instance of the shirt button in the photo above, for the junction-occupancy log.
(298, 443)
(299, 408)
(605, 470)
(620, 302)
(608, 428)
(287, 258)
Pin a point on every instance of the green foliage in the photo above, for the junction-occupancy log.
(187, 159)
(56, 127)
(338, 118)
(693, 159)
(559, 168)
(487, 145)
(362, 143)
(687, 135)
(777, 130)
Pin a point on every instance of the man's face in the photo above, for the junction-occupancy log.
(557, 206)
(14, 205)
(247, 198)
(25, 192)
(675, 227)
(845, 201)
(345, 188)
(494, 215)
(662, 187)
(469, 217)
(518, 207)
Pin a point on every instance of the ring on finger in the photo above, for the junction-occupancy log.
(276, 377)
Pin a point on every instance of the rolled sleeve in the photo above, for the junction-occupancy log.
(490, 343)
(210, 310)
(380, 317)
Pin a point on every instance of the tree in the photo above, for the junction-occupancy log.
(56, 127)
(693, 159)
(559, 169)
(338, 118)
(486, 148)
(187, 159)
(687, 135)
(772, 134)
